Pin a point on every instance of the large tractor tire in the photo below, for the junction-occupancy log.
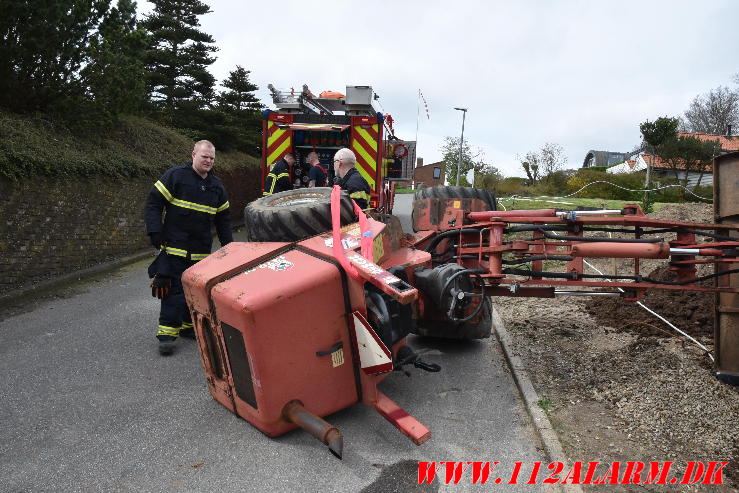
(442, 192)
(457, 193)
(293, 215)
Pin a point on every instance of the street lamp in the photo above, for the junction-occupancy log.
(461, 140)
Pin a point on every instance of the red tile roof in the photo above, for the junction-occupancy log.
(657, 162)
(730, 143)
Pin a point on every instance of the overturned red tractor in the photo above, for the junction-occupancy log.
(295, 329)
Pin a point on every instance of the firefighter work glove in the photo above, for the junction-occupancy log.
(161, 286)
(156, 240)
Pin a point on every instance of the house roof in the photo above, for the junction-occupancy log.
(728, 143)
(657, 162)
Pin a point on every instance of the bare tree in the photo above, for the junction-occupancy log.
(530, 165)
(712, 112)
(552, 158)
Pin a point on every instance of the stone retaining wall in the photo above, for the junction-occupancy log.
(50, 227)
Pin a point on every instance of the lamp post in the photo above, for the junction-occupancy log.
(461, 141)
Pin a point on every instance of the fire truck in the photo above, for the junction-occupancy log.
(304, 122)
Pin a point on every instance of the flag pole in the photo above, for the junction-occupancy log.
(415, 148)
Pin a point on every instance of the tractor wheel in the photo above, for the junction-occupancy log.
(457, 193)
(293, 215)
(451, 193)
(481, 329)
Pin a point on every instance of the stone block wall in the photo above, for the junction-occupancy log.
(50, 227)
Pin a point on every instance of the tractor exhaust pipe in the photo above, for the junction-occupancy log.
(294, 412)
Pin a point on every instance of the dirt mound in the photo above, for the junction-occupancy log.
(693, 309)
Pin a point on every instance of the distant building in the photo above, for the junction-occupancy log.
(430, 175)
(727, 143)
(604, 158)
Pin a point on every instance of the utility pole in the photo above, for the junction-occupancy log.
(461, 141)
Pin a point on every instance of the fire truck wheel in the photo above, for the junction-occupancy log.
(293, 215)
(480, 329)
(457, 193)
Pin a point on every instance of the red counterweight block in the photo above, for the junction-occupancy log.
(272, 332)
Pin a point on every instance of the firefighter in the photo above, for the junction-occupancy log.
(316, 175)
(278, 179)
(191, 198)
(349, 178)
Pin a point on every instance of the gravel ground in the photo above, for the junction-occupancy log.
(618, 386)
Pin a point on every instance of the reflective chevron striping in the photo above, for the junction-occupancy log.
(278, 143)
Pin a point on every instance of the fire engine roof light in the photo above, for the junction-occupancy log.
(266, 112)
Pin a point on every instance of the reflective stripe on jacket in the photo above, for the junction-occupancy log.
(357, 187)
(278, 178)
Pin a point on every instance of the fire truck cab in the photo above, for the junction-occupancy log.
(304, 122)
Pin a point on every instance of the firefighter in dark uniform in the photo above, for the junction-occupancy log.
(278, 178)
(317, 174)
(349, 178)
(191, 198)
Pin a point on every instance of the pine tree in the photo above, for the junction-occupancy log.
(240, 95)
(177, 61)
(42, 48)
(116, 73)
(239, 108)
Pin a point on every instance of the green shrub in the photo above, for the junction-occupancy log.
(512, 186)
(134, 146)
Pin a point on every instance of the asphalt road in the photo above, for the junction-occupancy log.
(88, 405)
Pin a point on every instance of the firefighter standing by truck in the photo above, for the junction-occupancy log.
(349, 178)
(316, 175)
(278, 178)
(192, 198)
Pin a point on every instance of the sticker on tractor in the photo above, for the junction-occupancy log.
(378, 250)
(365, 264)
(374, 356)
(337, 357)
(278, 264)
(349, 243)
(352, 229)
(457, 204)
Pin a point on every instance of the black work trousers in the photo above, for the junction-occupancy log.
(174, 314)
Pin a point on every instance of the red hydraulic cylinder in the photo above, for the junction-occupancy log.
(621, 250)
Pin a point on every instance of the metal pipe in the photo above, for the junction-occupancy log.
(461, 140)
(294, 412)
(589, 213)
(713, 252)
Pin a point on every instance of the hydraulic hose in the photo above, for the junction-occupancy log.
(553, 236)
(532, 258)
(432, 245)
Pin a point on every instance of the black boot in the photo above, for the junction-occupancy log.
(166, 345)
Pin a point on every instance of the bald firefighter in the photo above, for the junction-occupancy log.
(349, 178)
(191, 198)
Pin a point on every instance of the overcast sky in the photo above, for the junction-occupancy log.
(582, 74)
